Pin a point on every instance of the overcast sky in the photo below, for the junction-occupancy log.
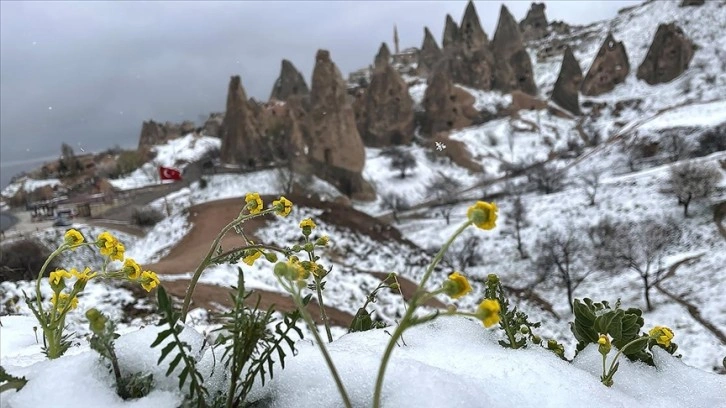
(88, 73)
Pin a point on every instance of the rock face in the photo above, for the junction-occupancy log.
(609, 68)
(429, 55)
(447, 106)
(154, 133)
(213, 125)
(534, 25)
(387, 118)
(567, 86)
(471, 35)
(242, 133)
(383, 57)
(451, 33)
(335, 146)
(668, 56)
(513, 68)
(289, 83)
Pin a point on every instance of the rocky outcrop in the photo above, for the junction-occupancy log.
(566, 91)
(335, 147)
(289, 83)
(213, 125)
(513, 68)
(609, 68)
(471, 36)
(451, 33)
(447, 106)
(429, 55)
(687, 3)
(383, 57)
(387, 117)
(155, 133)
(534, 25)
(242, 132)
(668, 56)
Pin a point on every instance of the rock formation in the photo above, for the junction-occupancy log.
(534, 25)
(242, 132)
(451, 33)
(567, 86)
(429, 55)
(213, 125)
(154, 133)
(387, 117)
(513, 68)
(686, 3)
(289, 83)
(471, 36)
(335, 147)
(383, 57)
(447, 106)
(609, 68)
(668, 56)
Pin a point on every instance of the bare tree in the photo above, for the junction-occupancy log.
(676, 146)
(517, 218)
(464, 253)
(690, 181)
(401, 159)
(590, 182)
(639, 247)
(546, 178)
(395, 203)
(558, 252)
(444, 189)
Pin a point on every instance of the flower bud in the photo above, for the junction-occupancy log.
(309, 247)
(536, 339)
(322, 241)
(271, 256)
(393, 286)
(96, 320)
(604, 346)
(492, 279)
(296, 248)
(524, 330)
(280, 269)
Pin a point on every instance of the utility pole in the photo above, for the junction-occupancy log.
(395, 38)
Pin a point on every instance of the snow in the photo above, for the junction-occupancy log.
(700, 114)
(175, 153)
(28, 185)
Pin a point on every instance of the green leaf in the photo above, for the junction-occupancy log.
(163, 299)
(166, 350)
(183, 376)
(173, 364)
(160, 337)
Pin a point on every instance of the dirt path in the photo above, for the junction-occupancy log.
(691, 308)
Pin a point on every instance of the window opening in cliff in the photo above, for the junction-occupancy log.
(328, 156)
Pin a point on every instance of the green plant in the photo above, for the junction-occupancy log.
(362, 320)
(250, 346)
(171, 318)
(10, 382)
(102, 341)
(128, 161)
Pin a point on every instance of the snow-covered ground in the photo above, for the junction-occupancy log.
(27, 184)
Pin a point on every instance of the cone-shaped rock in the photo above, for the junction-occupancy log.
(429, 55)
(609, 68)
(388, 110)
(447, 106)
(471, 35)
(335, 146)
(154, 133)
(451, 33)
(213, 125)
(534, 25)
(289, 83)
(668, 56)
(567, 86)
(383, 58)
(241, 131)
(513, 66)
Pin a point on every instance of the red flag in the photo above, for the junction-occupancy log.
(167, 173)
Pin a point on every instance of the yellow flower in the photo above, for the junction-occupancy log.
(603, 340)
(73, 238)
(149, 280)
(251, 258)
(254, 203)
(296, 269)
(604, 345)
(283, 206)
(322, 241)
(56, 277)
(307, 223)
(483, 215)
(131, 269)
(662, 335)
(456, 286)
(84, 276)
(106, 241)
(117, 252)
(488, 312)
(63, 302)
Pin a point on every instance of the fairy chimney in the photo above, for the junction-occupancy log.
(534, 25)
(567, 86)
(513, 67)
(429, 55)
(609, 68)
(451, 33)
(388, 112)
(447, 107)
(335, 146)
(383, 57)
(289, 83)
(242, 134)
(668, 56)
(471, 34)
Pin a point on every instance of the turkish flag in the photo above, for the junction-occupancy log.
(167, 173)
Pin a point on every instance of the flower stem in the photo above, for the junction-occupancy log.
(38, 297)
(323, 315)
